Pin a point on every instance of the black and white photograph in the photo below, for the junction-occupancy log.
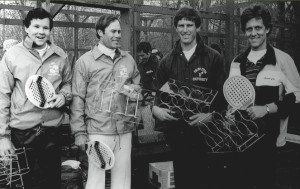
(149, 94)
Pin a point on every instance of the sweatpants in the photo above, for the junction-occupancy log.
(121, 171)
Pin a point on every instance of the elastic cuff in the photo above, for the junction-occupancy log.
(77, 133)
(63, 95)
(67, 97)
(5, 136)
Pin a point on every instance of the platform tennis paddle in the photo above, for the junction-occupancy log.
(239, 92)
(100, 154)
(39, 90)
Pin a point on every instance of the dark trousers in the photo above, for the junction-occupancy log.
(256, 167)
(189, 154)
(194, 166)
(43, 150)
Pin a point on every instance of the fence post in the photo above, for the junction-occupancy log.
(296, 5)
(126, 19)
(229, 31)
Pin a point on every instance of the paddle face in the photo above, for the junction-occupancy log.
(39, 90)
(100, 154)
(239, 92)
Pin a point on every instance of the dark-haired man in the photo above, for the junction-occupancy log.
(21, 123)
(147, 66)
(97, 102)
(277, 87)
(192, 62)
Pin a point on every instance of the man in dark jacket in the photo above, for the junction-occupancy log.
(192, 62)
(148, 63)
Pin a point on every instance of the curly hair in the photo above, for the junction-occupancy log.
(257, 11)
(189, 14)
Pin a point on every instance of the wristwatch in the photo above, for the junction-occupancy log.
(268, 109)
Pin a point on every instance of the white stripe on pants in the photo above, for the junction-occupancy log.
(121, 171)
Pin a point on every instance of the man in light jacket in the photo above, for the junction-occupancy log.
(99, 107)
(22, 124)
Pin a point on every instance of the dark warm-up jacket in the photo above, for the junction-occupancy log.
(147, 71)
(206, 68)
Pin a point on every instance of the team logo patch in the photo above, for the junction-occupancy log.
(200, 74)
(123, 71)
(53, 69)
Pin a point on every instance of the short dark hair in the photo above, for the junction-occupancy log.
(188, 13)
(257, 11)
(37, 13)
(104, 21)
(145, 47)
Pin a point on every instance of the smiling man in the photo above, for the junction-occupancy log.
(257, 33)
(21, 123)
(277, 86)
(98, 75)
(192, 62)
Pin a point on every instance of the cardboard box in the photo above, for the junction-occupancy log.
(161, 175)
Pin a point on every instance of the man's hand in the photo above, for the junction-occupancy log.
(57, 101)
(80, 141)
(256, 112)
(230, 113)
(162, 114)
(200, 117)
(131, 91)
(6, 147)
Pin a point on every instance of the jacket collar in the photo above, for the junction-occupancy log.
(28, 43)
(200, 46)
(268, 58)
(97, 53)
